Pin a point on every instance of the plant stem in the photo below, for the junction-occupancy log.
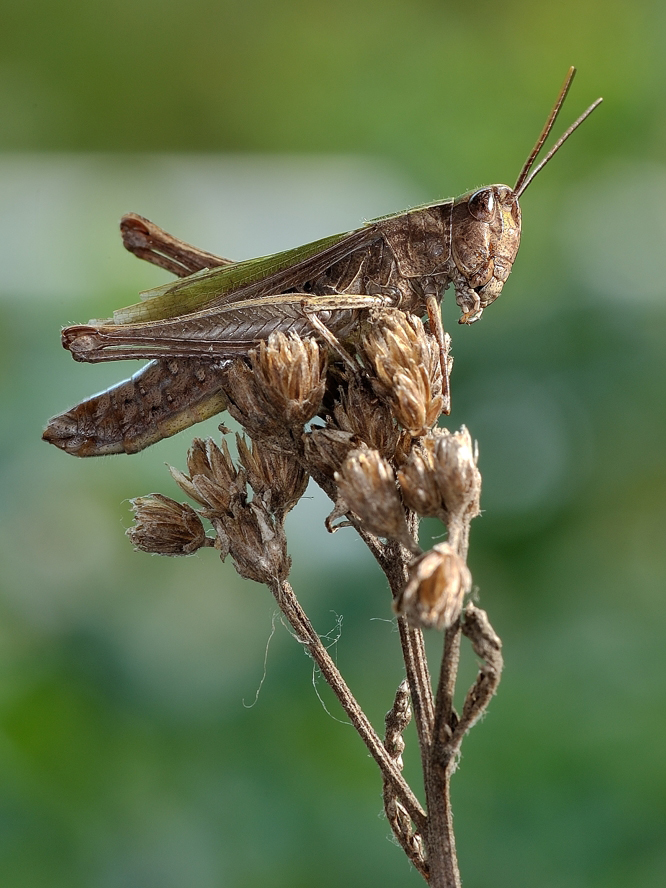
(440, 838)
(394, 563)
(416, 668)
(449, 733)
(291, 608)
(445, 717)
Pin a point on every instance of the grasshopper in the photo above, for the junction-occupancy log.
(220, 309)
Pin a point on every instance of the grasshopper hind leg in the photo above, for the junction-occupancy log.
(163, 398)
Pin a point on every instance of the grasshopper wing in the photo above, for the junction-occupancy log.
(238, 281)
(216, 313)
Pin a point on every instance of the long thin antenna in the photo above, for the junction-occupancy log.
(547, 128)
(556, 147)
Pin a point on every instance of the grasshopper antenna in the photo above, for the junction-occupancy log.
(525, 176)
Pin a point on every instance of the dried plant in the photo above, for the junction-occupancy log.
(433, 595)
(165, 527)
(377, 453)
(407, 370)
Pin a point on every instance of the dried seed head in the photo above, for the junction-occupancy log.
(362, 414)
(214, 481)
(250, 406)
(282, 388)
(256, 542)
(326, 449)
(405, 360)
(165, 527)
(417, 482)
(292, 374)
(454, 459)
(440, 477)
(276, 477)
(433, 596)
(366, 484)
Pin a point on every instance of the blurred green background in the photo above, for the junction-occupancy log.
(128, 758)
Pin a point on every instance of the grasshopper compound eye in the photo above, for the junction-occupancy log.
(482, 204)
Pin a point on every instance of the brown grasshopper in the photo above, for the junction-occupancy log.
(220, 309)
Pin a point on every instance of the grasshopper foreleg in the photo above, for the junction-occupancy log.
(444, 343)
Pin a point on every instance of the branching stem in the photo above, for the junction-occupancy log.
(437, 475)
(291, 608)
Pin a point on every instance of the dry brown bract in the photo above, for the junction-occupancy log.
(326, 449)
(366, 484)
(366, 417)
(280, 390)
(213, 482)
(165, 527)
(406, 365)
(256, 543)
(438, 582)
(276, 477)
(455, 464)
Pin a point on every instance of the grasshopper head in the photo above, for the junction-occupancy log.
(484, 244)
(486, 224)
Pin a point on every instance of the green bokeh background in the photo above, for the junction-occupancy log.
(127, 757)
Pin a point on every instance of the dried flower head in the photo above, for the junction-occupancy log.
(165, 527)
(256, 542)
(405, 360)
(292, 373)
(281, 390)
(276, 477)
(417, 482)
(440, 477)
(249, 405)
(455, 459)
(366, 484)
(437, 584)
(367, 417)
(214, 481)
(326, 449)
